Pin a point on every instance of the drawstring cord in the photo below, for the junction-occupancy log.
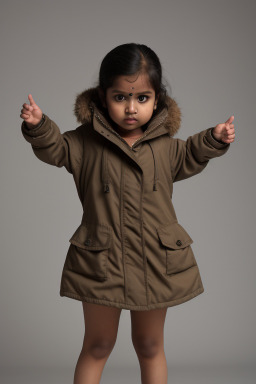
(104, 170)
(155, 170)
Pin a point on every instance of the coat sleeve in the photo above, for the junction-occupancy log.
(189, 157)
(53, 147)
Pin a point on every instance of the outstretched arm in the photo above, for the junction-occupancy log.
(48, 143)
(189, 157)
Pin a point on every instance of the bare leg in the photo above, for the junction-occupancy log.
(101, 325)
(148, 341)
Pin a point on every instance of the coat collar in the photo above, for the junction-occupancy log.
(87, 104)
(87, 109)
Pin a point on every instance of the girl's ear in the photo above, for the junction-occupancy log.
(156, 101)
(102, 98)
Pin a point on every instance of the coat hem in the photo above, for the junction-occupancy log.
(120, 305)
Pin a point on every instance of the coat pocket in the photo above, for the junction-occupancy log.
(176, 241)
(90, 250)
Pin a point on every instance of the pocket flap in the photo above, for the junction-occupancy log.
(174, 236)
(94, 237)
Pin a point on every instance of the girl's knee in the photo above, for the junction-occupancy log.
(147, 346)
(98, 349)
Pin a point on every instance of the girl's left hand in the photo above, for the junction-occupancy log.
(225, 132)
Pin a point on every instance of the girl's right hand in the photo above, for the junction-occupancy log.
(31, 113)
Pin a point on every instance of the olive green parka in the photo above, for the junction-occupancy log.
(129, 251)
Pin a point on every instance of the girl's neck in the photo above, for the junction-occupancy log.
(131, 135)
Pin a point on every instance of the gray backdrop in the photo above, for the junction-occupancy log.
(53, 50)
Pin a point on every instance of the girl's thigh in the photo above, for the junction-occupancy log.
(148, 326)
(101, 323)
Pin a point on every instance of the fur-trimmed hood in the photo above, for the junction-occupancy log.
(86, 100)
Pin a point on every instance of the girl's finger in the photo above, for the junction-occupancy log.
(230, 119)
(230, 138)
(26, 106)
(32, 101)
(227, 141)
(23, 110)
(24, 116)
(230, 132)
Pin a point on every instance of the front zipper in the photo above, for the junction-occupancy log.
(120, 137)
(110, 129)
(147, 132)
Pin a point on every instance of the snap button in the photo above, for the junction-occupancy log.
(178, 242)
(88, 242)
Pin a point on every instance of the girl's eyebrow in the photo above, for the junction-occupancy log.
(117, 91)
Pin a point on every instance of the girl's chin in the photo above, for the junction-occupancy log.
(124, 128)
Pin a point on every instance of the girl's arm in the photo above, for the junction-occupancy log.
(48, 143)
(190, 157)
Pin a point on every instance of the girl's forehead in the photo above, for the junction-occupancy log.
(132, 83)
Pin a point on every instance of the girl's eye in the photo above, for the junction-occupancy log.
(142, 98)
(119, 97)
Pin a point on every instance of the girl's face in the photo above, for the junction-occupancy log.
(130, 102)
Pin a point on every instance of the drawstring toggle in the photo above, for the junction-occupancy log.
(106, 188)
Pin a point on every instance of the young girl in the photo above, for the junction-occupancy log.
(130, 251)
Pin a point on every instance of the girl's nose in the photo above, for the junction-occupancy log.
(130, 107)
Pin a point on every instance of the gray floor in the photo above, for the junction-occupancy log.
(131, 375)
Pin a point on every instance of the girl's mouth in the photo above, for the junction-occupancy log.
(130, 120)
